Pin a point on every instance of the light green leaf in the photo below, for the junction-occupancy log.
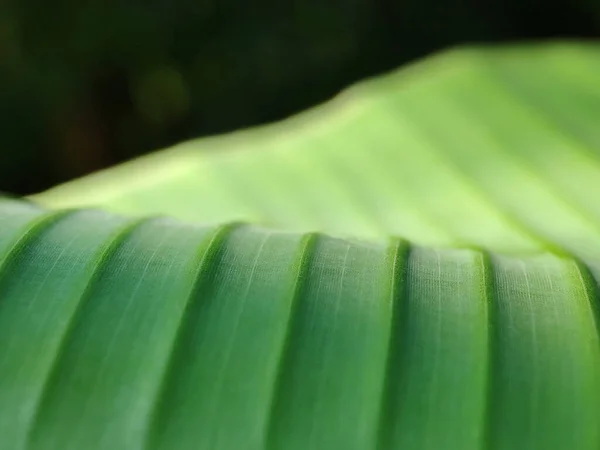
(313, 328)
(495, 148)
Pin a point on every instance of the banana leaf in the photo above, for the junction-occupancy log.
(413, 265)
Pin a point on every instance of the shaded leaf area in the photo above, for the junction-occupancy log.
(154, 334)
(490, 148)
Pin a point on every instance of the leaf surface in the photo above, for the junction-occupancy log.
(168, 322)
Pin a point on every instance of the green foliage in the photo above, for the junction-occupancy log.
(473, 147)
(476, 329)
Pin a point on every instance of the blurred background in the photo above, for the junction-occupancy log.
(87, 84)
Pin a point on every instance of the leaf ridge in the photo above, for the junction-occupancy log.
(489, 294)
(110, 248)
(34, 228)
(305, 258)
(400, 254)
(208, 257)
(591, 289)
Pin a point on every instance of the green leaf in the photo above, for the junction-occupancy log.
(315, 330)
(476, 147)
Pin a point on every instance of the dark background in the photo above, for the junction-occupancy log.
(86, 84)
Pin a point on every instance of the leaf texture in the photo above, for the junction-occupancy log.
(170, 323)
(151, 334)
